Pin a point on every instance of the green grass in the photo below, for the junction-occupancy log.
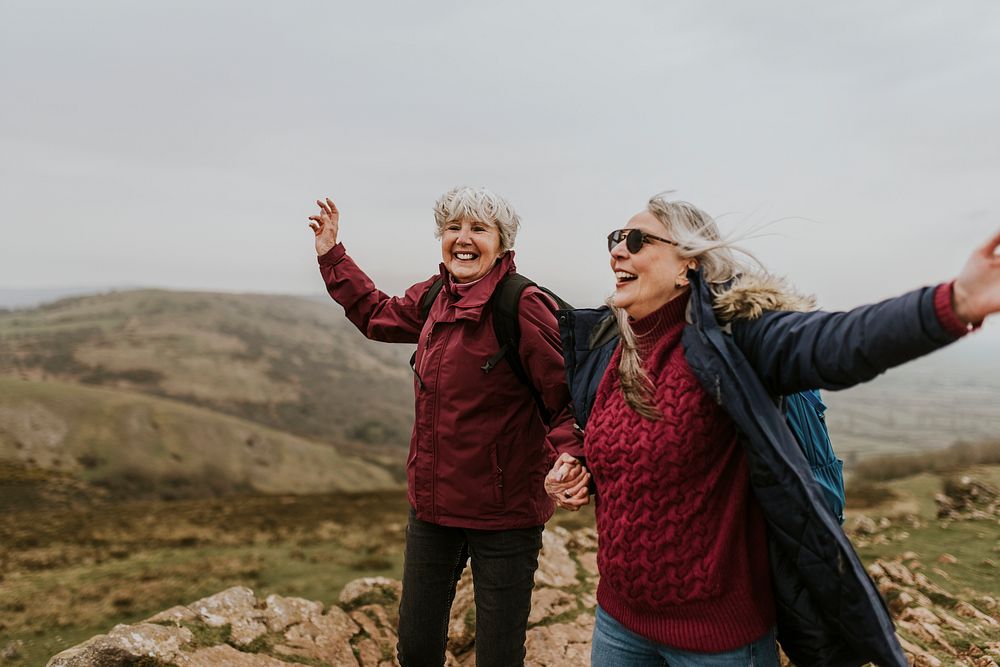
(54, 610)
(971, 542)
(320, 571)
(919, 489)
(911, 495)
(94, 564)
(974, 543)
(292, 546)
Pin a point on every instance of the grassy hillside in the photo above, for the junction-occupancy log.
(71, 570)
(299, 366)
(137, 445)
(73, 564)
(290, 363)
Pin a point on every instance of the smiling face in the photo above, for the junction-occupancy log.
(648, 279)
(469, 249)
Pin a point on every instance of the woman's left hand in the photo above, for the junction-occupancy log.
(325, 226)
(568, 483)
(977, 288)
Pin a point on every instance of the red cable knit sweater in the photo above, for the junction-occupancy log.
(683, 549)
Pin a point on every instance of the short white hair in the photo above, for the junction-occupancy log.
(481, 205)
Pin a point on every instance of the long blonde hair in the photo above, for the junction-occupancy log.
(698, 238)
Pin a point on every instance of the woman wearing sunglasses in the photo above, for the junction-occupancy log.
(479, 449)
(712, 533)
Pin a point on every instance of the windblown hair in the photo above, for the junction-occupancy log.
(481, 205)
(698, 238)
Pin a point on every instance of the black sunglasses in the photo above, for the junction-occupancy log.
(634, 239)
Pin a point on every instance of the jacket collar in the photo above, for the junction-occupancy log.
(467, 300)
(749, 295)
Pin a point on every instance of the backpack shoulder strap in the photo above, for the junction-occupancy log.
(505, 303)
(429, 296)
(812, 397)
(426, 301)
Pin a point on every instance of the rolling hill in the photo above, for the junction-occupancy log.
(136, 445)
(295, 365)
(291, 363)
(202, 376)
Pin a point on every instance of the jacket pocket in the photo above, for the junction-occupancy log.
(830, 477)
(497, 475)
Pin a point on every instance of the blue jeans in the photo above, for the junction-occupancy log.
(503, 574)
(614, 646)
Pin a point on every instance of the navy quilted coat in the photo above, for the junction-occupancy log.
(829, 611)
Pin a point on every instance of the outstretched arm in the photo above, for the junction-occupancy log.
(795, 351)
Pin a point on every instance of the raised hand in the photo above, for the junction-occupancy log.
(568, 483)
(325, 225)
(977, 287)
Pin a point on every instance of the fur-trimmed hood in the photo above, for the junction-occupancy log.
(752, 294)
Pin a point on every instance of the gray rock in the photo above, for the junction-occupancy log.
(126, 644)
(283, 631)
(555, 566)
(325, 637)
(371, 590)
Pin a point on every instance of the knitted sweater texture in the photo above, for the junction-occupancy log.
(683, 548)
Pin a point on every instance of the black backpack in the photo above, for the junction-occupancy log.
(504, 303)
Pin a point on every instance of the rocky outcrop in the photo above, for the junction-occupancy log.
(937, 626)
(236, 628)
(968, 498)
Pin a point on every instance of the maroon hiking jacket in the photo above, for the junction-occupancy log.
(479, 450)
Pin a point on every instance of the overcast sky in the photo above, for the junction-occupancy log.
(181, 144)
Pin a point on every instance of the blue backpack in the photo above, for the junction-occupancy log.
(805, 413)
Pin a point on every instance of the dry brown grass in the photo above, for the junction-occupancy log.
(958, 456)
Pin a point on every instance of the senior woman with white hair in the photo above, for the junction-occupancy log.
(713, 533)
(483, 436)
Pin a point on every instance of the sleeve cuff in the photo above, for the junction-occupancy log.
(332, 256)
(946, 312)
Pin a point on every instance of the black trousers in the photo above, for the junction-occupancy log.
(503, 574)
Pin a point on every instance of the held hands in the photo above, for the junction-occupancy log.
(567, 483)
(977, 288)
(325, 225)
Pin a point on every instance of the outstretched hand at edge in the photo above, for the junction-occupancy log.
(325, 226)
(977, 288)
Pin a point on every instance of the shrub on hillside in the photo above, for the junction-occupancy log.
(862, 494)
(373, 432)
(131, 482)
(959, 455)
